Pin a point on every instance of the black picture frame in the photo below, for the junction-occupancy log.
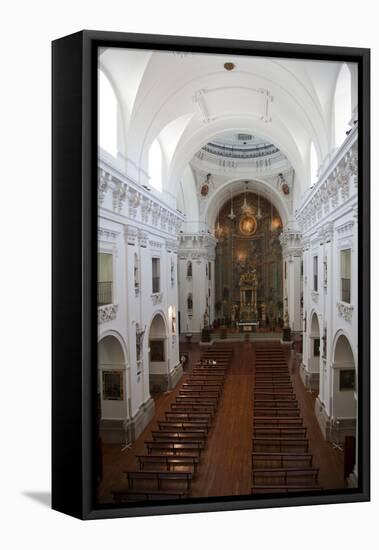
(74, 332)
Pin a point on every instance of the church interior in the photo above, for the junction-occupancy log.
(227, 282)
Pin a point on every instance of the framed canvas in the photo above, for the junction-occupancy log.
(211, 201)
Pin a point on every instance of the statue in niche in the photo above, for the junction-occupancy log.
(172, 273)
(136, 273)
(206, 318)
(234, 313)
(286, 319)
(139, 340)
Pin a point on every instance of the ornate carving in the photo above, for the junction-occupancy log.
(292, 244)
(345, 311)
(107, 313)
(142, 238)
(119, 195)
(130, 235)
(103, 182)
(156, 298)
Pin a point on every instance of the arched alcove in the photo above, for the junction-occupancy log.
(112, 389)
(158, 355)
(314, 350)
(344, 379)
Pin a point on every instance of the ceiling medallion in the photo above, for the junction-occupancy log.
(229, 66)
(248, 225)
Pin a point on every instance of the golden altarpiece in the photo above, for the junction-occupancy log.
(249, 279)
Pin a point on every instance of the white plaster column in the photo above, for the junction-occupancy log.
(292, 255)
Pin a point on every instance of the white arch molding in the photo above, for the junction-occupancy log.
(186, 149)
(222, 195)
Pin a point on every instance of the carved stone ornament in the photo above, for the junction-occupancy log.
(345, 311)
(156, 298)
(106, 313)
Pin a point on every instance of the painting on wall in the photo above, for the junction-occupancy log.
(112, 385)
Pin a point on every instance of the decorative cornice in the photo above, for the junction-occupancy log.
(135, 202)
(345, 311)
(130, 235)
(106, 313)
(195, 246)
(292, 244)
(106, 235)
(334, 187)
(142, 238)
(346, 228)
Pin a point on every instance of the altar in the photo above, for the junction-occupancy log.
(248, 298)
(248, 326)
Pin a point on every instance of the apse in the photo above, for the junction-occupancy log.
(249, 279)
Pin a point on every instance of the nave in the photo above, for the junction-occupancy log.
(239, 422)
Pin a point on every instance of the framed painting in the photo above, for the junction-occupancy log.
(211, 202)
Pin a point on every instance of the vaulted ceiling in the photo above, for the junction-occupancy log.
(188, 100)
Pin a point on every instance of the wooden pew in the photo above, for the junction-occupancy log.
(189, 392)
(273, 489)
(175, 447)
(276, 412)
(188, 417)
(158, 476)
(285, 476)
(191, 400)
(194, 407)
(277, 421)
(281, 460)
(280, 444)
(272, 404)
(169, 461)
(120, 495)
(203, 385)
(183, 426)
(193, 435)
(278, 431)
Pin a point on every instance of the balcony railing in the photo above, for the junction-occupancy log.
(156, 284)
(345, 290)
(104, 293)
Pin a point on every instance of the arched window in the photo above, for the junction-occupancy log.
(155, 165)
(189, 303)
(342, 105)
(313, 164)
(107, 115)
(189, 269)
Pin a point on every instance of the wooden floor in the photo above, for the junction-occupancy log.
(225, 468)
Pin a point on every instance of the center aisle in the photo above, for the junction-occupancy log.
(226, 464)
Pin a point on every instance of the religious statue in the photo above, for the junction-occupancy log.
(206, 318)
(286, 319)
(139, 340)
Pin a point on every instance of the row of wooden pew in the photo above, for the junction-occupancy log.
(173, 453)
(281, 460)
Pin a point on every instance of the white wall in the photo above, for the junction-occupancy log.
(328, 218)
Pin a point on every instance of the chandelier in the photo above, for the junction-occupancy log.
(246, 208)
(231, 214)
